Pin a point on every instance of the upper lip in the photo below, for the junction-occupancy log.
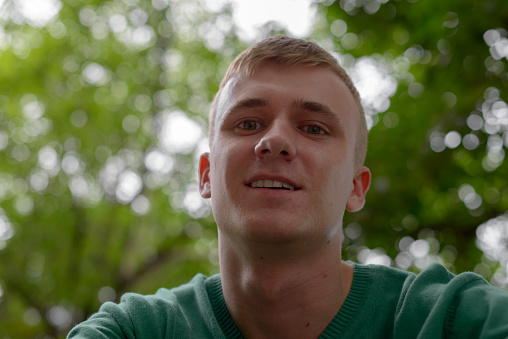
(272, 177)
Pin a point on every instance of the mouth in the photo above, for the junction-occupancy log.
(272, 184)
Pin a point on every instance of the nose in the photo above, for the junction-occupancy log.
(277, 142)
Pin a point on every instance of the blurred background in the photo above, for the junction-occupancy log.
(103, 113)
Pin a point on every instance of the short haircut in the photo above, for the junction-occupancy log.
(292, 52)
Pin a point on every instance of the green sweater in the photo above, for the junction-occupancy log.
(383, 302)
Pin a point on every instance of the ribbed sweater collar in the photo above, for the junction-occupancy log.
(337, 327)
(228, 327)
(352, 305)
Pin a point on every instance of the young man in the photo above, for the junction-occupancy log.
(287, 145)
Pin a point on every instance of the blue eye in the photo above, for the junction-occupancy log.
(313, 129)
(249, 125)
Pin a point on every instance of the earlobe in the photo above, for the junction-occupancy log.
(204, 176)
(361, 183)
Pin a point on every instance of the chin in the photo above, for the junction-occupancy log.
(282, 231)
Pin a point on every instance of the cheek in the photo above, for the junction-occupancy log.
(338, 186)
(226, 166)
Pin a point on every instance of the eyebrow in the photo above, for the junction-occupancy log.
(316, 107)
(247, 103)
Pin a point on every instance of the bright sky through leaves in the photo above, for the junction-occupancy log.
(297, 16)
(38, 13)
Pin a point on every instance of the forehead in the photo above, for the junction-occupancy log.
(277, 84)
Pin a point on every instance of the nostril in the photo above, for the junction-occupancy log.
(275, 146)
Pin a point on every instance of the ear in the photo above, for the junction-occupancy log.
(361, 183)
(204, 176)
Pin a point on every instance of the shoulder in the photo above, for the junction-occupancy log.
(436, 285)
(196, 286)
(434, 303)
(182, 311)
(382, 279)
(432, 282)
(177, 299)
(438, 302)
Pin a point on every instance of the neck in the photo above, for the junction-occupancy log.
(274, 290)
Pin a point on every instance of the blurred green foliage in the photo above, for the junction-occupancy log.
(95, 199)
(427, 184)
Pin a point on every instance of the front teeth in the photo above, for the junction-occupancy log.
(272, 184)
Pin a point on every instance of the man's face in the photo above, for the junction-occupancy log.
(281, 166)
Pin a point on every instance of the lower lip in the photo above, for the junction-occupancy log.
(271, 191)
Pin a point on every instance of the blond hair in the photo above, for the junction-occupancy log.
(291, 52)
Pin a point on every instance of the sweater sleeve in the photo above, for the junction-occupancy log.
(135, 316)
(102, 325)
(181, 312)
(438, 304)
(479, 311)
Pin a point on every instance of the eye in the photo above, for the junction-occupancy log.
(313, 129)
(249, 125)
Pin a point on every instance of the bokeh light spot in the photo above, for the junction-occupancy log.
(32, 317)
(106, 293)
(470, 141)
(78, 118)
(338, 28)
(129, 185)
(437, 143)
(452, 139)
(130, 123)
(140, 205)
(178, 133)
